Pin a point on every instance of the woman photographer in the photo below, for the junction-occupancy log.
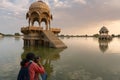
(41, 76)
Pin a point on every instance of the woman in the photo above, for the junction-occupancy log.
(34, 67)
(41, 76)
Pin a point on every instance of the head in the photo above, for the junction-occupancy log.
(30, 56)
(37, 59)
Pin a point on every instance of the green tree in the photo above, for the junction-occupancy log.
(1, 34)
(96, 35)
(17, 34)
(113, 35)
(118, 35)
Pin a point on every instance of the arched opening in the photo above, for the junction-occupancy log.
(43, 25)
(35, 14)
(46, 14)
(36, 23)
(35, 18)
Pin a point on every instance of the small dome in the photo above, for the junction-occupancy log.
(40, 5)
(103, 30)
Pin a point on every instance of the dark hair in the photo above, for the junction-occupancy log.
(22, 63)
(30, 56)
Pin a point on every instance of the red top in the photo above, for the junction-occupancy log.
(33, 69)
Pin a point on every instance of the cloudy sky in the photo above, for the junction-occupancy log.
(72, 16)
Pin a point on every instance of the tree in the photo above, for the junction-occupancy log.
(118, 35)
(113, 35)
(1, 34)
(96, 35)
(17, 34)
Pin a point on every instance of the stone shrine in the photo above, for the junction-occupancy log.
(39, 12)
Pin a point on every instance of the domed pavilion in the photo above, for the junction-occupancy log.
(39, 12)
(104, 34)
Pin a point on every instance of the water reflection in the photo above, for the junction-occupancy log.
(47, 56)
(17, 38)
(104, 45)
(1, 38)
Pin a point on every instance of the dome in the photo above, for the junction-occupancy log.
(39, 11)
(103, 30)
(39, 4)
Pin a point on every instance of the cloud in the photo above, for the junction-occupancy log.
(113, 3)
(61, 4)
(80, 1)
(64, 3)
(91, 16)
(67, 3)
(15, 7)
(67, 14)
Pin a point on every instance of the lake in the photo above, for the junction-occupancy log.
(83, 59)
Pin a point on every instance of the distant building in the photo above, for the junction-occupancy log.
(103, 45)
(104, 34)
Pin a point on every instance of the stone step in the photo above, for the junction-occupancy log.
(54, 40)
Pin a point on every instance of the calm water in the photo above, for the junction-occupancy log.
(84, 59)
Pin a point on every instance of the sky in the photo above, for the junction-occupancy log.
(76, 17)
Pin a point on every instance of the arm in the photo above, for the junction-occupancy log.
(40, 69)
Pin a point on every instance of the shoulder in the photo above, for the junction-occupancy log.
(34, 64)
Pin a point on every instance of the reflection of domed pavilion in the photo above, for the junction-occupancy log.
(36, 35)
(104, 34)
(103, 45)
